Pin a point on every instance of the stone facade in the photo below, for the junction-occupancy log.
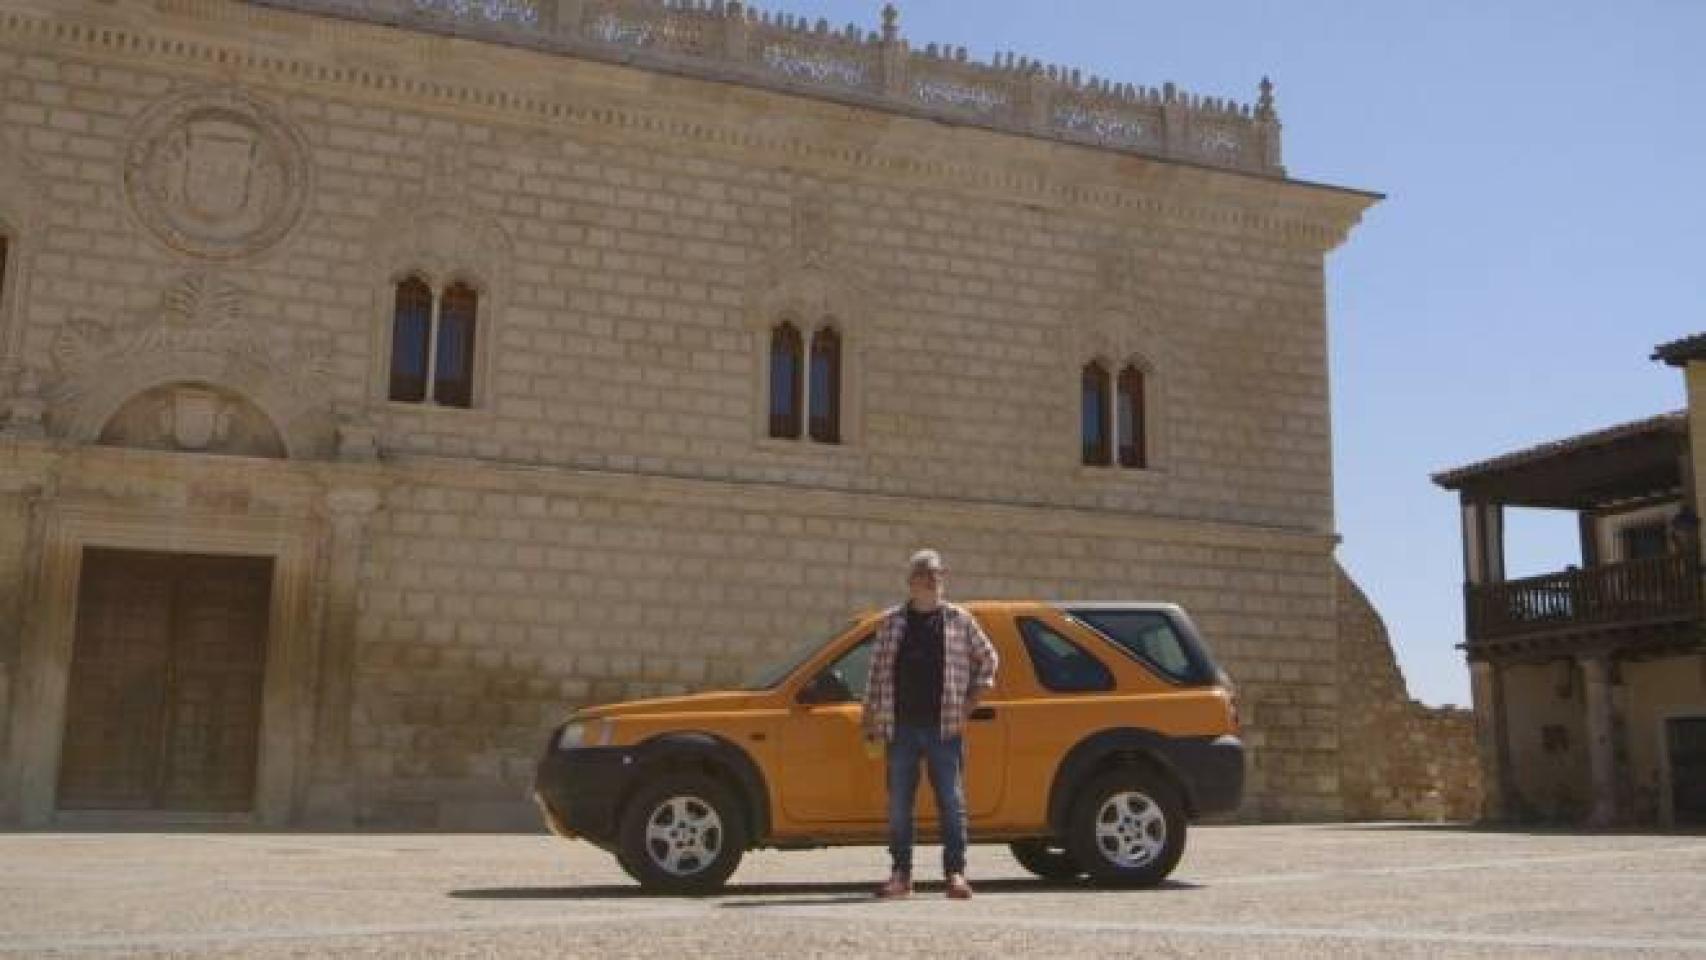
(208, 205)
(1399, 759)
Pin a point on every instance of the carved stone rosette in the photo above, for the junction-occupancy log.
(216, 173)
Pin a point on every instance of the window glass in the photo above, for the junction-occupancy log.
(1152, 638)
(776, 671)
(1061, 665)
(411, 325)
(826, 386)
(1094, 415)
(785, 376)
(453, 380)
(850, 673)
(1131, 413)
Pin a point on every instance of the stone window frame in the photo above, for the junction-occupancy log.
(437, 279)
(851, 407)
(1115, 364)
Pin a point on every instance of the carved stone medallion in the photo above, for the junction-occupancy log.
(216, 173)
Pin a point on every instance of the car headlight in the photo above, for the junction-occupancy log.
(571, 736)
(585, 733)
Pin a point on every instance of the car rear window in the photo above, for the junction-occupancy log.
(1061, 665)
(1153, 638)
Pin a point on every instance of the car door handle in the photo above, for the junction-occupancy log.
(983, 713)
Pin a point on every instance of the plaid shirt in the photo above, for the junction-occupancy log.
(968, 663)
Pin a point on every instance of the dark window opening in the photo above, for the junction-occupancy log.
(1645, 542)
(826, 386)
(1094, 415)
(453, 380)
(1133, 435)
(785, 376)
(411, 332)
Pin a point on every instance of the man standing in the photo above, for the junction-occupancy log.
(930, 666)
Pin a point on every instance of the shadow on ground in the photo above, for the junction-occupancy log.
(1516, 829)
(749, 895)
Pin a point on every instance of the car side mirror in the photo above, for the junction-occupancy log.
(826, 687)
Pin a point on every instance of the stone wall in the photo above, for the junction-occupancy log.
(1399, 759)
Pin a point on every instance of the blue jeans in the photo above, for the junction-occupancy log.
(946, 760)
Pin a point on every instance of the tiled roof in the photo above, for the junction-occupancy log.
(1678, 352)
(1676, 422)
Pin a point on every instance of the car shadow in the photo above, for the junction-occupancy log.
(749, 895)
(1513, 829)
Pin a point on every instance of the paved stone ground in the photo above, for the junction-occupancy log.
(1253, 891)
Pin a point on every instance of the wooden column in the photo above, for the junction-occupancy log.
(1483, 542)
(1588, 523)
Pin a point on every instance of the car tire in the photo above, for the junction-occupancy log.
(1127, 828)
(1047, 859)
(683, 833)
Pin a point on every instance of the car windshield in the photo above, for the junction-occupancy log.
(776, 672)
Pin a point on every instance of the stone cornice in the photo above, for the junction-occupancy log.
(410, 68)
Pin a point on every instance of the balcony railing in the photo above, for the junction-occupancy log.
(1657, 590)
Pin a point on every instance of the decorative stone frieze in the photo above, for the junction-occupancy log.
(202, 332)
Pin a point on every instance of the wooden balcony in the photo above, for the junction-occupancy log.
(1657, 591)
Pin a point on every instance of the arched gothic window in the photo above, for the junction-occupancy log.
(786, 376)
(806, 387)
(432, 344)
(1093, 415)
(826, 386)
(1130, 413)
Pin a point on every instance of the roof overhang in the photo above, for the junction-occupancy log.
(1628, 462)
(1677, 353)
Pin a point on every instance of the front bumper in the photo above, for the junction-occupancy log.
(579, 791)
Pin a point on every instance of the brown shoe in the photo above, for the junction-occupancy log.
(958, 887)
(898, 886)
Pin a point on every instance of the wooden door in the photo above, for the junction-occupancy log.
(1686, 738)
(165, 699)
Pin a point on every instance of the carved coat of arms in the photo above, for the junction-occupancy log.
(217, 174)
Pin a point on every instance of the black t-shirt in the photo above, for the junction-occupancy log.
(918, 670)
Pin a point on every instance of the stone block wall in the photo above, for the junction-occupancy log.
(1400, 760)
(497, 600)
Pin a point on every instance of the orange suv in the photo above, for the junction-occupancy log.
(1109, 728)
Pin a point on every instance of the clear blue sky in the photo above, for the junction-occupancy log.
(1546, 227)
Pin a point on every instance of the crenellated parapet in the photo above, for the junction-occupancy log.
(730, 41)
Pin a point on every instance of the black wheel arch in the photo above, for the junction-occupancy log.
(716, 756)
(1133, 746)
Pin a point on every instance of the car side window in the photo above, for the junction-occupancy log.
(1061, 665)
(1151, 638)
(848, 675)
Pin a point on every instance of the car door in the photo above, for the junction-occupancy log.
(985, 739)
(826, 775)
